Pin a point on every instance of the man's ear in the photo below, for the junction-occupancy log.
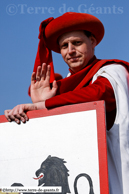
(93, 41)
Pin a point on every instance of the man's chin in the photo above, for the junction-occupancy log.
(75, 67)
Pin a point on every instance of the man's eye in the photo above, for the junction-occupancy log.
(78, 43)
(64, 46)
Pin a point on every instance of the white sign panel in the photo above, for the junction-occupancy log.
(51, 151)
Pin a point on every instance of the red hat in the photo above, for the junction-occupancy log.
(72, 21)
(51, 29)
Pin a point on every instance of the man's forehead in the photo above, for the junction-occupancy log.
(72, 34)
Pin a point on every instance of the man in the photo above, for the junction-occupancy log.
(75, 36)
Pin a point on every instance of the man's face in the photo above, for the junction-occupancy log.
(76, 49)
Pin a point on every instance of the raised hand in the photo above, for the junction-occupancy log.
(40, 91)
(40, 84)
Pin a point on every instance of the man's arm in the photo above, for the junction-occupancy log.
(101, 89)
(18, 113)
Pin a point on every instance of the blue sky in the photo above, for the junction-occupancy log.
(20, 20)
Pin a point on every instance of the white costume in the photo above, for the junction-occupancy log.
(118, 135)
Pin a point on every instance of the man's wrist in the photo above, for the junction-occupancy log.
(40, 105)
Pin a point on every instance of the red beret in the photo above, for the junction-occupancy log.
(72, 21)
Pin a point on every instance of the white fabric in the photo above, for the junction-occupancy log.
(68, 75)
(118, 136)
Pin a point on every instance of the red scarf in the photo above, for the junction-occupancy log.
(83, 77)
(44, 54)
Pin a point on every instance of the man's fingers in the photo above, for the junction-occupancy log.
(17, 114)
(38, 73)
(6, 113)
(48, 73)
(20, 117)
(10, 117)
(23, 114)
(33, 77)
(13, 118)
(43, 71)
(54, 87)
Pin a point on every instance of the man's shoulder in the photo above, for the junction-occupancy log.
(103, 62)
(119, 61)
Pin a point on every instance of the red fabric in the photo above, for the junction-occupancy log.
(44, 54)
(70, 83)
(82, 78)
(77, 89)
(58, 76)
(72, 21)
(101, 89)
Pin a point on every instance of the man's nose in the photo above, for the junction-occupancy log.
(71, 48)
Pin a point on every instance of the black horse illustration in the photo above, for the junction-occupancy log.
(53, 172)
